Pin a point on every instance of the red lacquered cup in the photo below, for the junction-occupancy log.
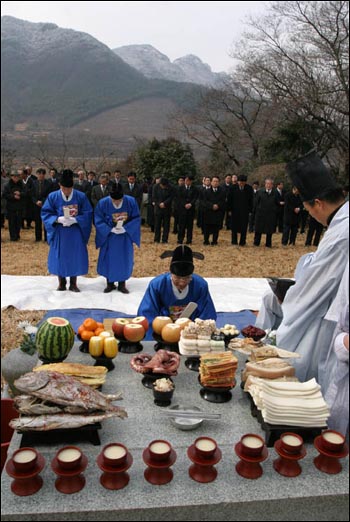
(252, 445)
(332, 440)
(69, 457)
(205, 447)
(291, 442)
(114, 454)
(159, 450)
(24, 459)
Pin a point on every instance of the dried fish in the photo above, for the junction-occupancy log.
(64, 390)
(30, 405)
(60, 421)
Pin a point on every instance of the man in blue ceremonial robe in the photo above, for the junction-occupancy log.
(118, 226)
(67, 216)
(169, 293)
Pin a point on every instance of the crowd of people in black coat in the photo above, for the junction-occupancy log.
(233, 204)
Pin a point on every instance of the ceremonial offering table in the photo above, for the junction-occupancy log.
(312, 495)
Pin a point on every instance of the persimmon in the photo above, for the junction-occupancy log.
(80, 329)
(86, 335)
(90, 324)
(99, 330)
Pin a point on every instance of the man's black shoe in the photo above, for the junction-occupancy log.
(74, 288)
(73, 284)
(62, 284)
(109, 288)
(122, 288)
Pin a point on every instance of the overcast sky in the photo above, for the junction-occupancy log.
(206, 29)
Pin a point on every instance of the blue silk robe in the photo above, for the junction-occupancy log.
(159, 299)
(116, 256)
(68, 255)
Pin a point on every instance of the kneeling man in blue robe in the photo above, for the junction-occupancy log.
(168, 294)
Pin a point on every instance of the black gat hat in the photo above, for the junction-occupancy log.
(66, 178)
(116, 192)
(182, 260)
(310, 176)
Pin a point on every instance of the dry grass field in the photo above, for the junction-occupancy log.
(26, 257)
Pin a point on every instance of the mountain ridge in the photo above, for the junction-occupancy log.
(63, 76)
(154, 64)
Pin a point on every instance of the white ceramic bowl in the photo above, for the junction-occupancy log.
(185, 424)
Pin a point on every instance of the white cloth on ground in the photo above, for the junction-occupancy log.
(39, 293)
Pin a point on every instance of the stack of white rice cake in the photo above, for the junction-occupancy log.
(289, 403)
(196, 338)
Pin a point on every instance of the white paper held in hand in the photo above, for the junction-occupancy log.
(188, 310)
(119, 224)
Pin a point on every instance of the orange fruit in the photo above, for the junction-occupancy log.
(90, 324)
(99, 330)
(86, 335)
(80, 329)
(100, 325)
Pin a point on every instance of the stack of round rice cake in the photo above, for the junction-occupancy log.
(196, 338)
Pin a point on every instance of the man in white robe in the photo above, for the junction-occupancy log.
(304, 328)
(270, 314)
(337, 395)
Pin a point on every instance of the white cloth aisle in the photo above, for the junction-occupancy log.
(39, 293)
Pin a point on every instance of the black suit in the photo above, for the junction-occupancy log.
(15, 207)
(280, 196)
(40, 191)
(53, 184)
(226, 187)
(28, 215)
(314, 232)
(291, 218)
(265, 212)
(251, 215)
(186, 196)
(201, 191)
(240, 204)
(162, 215)
(82, 185)
(91, 185)
(212, 219)
(97, 193)
(136, 192)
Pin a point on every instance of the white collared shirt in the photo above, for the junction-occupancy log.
(177, 293)
(69, 197)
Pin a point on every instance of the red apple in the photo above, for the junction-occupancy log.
(118, 326)
(134, 332)
(141, 319)
(171, 333)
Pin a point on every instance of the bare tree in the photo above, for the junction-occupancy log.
(298, 56)
(232, 121)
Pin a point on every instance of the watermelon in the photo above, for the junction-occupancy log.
(54, 339)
